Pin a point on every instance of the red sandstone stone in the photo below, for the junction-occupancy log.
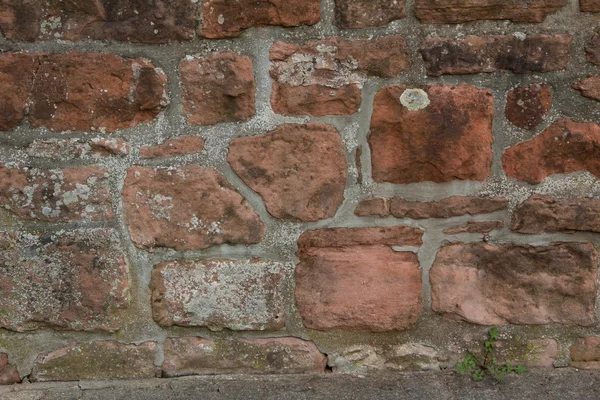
(589, 87)
(589, 5)
(198, 356)
(536, 353)
(174, 147)
(593, 50)
(8, 373)
(351, 279)
(58, 195)
(585, 353)
(237, 295)
(124, 20)
(217, 88)
(17, 71)
(564, 147)
(476, 54)
(74, 280)
(96, 92)
(186, 208)
(226, 18)
(527, 106)
(356, 14)
(374, 207)
(301, 171)
(475, 227)
(98, 360)
(544, 214)
(326, 77)
(516, 284)
(431, 133)
(459, 11)
(446, 208)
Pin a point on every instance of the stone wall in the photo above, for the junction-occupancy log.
(270, 186)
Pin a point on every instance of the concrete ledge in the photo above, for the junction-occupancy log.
(537, 384)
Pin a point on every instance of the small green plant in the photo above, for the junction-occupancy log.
(479, 368)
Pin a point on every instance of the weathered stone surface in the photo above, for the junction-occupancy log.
(356, 14)
(593, 50)
(197, 356)
(17, 71)
(218, 87)
(226, 18)
(585, 353)
(431, 133)
(186, 208)
(564, 147)
(527, 106)
(352, 279)
(57, 195)
(95, 361)
(238, 295)
(589, 5)
(74, 280)
(373, 207)
(326, 77)
(459, 11)
(96, 92)
(301, 173)
(402, 357)
(446, 208)
(475, 227)
(68, 149)
(174, 147)
(125, 20)
(589, 87)
(536, 353)
(545, 214)
(476, 54)
(8, 373)
(516, 284)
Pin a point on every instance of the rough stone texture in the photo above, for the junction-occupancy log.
(186, 208)
(57, 195)
(97, 360)
(74, 280)
(593, 50)
(528, 106)
(17, 71)
(326, 77)
(402, 357)
(459, 11)
(174, 147)
(516, 284)
(446, 208)
(564, 147)
(589, 5)
(237, 295)
(217, 88)
(545, 214)
(227, 18)
(434, 133)
(351, 279)
(357, 14)
(68, 149)
(475, 227)
(8, 373)
(134, 21)
(476, 54)
(373, 207)
(196, 356)
(585, 353)
(536, 353)
(95, 92)
(301, 173)
(589, 87)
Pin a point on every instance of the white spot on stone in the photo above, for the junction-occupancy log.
(414, 99)
(221, 19)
